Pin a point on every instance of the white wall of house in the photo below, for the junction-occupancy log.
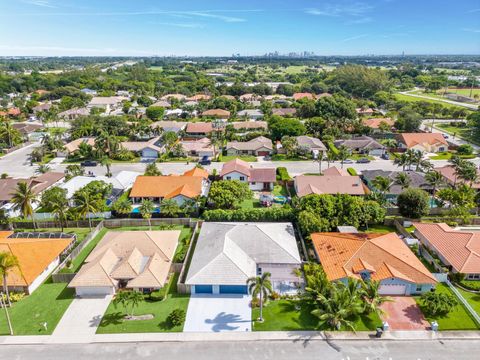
(259, 186)
(180, 200)
(43, 276)
(234, 175)
(376, 152)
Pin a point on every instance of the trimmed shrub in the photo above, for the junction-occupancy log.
(413, 203)
(465, 149)
(176, 318)
(282, 174)
(333, 148)
(267, 214)
(352, 171)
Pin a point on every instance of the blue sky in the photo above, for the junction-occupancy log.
(211, 27)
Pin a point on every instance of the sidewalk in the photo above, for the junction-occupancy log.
(247, 336)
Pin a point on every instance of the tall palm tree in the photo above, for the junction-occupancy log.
(403, 180)
(60, 209)
(260, 286)
(468, 172)
(343, 154)
(169, 207)
(123, 206)
(382, 184)
(7, 131)
(457, 163)
(330, 157)
(403, 160)
(434, 179)
(146, 208)
(372, 297)
(8, 261)
(23, 199)
(107, 162)
(86, 204)
(152, 170)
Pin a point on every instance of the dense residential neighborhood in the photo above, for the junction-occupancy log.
(156, 198)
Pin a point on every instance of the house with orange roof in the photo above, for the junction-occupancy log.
(378, 257)
(459, 250)
(332, 182)
(425, 142)
(138, 260)
(216, 113)
(304, 95)
(198, 129)
(377, 123)
(38, 255)
(180, 188)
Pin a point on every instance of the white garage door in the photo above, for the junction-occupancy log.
(93, 291)
(386, 289)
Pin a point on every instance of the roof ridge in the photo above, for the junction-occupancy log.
(276, 242)
(227, 238)
(18, 267)
(161, 251)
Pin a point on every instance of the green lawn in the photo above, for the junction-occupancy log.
(283, 157)
(464, 133)
(472, 298)
(448, 156)
(279, 190)
(247, 158)
(403, 97)
(250, 204)
(113, 323)
(47, 304)
(282, 315)
(457, 319)
(356, 157)
(380, 229)
(465, 92)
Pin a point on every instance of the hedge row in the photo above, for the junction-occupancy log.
(282, 174)
(352, 171)
(267, 214)
(333, 148)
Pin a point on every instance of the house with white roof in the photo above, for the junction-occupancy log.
(228, 254)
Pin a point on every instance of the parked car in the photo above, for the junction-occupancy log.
(348, 161)
(385, 156)
(363, 161)
(445, 136)
(205, 161)
(88, 163)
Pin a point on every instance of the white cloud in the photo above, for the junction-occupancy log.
(41, 3)
(345, 9)
(354, 37)
(362, 20)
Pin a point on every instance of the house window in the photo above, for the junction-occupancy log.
(229, 178)
(419, 288)
(242, 178)
(259, 271)
(253, 182)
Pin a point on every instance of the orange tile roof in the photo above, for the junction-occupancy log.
(385, 255)
(217, 113)
(196, 171)
(34, 256)
(298, 96)
(330, 184)
(334, 171)
(163, 186)
(375, 122)
(412, 139)
(461, 249)
(199, 127)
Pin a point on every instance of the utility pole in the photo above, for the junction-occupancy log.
(4, 305)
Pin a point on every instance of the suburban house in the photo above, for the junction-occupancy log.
(227, 254)
(260, 146)
(42, 107)
(198, 129)
(175, 126)
(379, 257)
(150, 149)
(286, 112)
(38, 255)
(457, 249)
(362, 145)
(216, 113)
(314, 145)
(450, 177)
(73, 146)
(137, 260)
(304, 95)
(334, 171)
(27, 128)
(417, 180)
(179, 97)
(377, 123)
(329, 184)
(199, 97)
(250, 125)
(253, 114)
(364, 111)
(38, 184)
(161, 103)
(107, 103)
(426, 142)
(179, 188)
(198, 148)
(74, 113)
(257, 178)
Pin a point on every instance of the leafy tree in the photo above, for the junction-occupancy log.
(343, 154)
(280, 127)
(23, 199)
(8, 262)
(146, 208)
(228, 194)
(438, 303)
(414, 203)
(261, 287)
(290, 145)
(408, 121)
(360, 81)
(155, 112)
(176, 317)
(315, 126)
(465, 149)
(52, 195)
(310, 223)
(123, 206)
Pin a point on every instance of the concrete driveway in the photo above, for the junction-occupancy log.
(403, 313)
(81, 319)
(218, 313)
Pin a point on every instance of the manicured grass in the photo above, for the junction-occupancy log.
(457, 319)
(113, 323)
(403, 97)
(282, 315)
(465, 133)
(360, 156)
(283, 157)
(47, 304)
(472, 298)
(380, 229)
(250, 204)
(247, 158)
(464, 92)
(448, 156)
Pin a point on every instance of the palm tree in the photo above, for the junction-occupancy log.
(169, 207)
(87, 205)
(152, 170)
(146, 208)
(60, 209)
(260, 286)
(123, 206)
(457, 163)
(403, 160)
(128, 298)
(343, 154)
(106, 161)
(434, 179)
(8, 261)
(382, 184)
(42, 169)
(389, 143)
(23, 199)
(7, 131)
(468, 172)
(330, 157)
(403, 180)
(372, 297)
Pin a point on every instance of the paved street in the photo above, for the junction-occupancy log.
(278, 350)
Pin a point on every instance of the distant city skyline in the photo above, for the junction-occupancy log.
(223, 28)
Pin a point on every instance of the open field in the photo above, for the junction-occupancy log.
(403, 97)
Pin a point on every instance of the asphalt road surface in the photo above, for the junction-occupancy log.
(278, 350)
